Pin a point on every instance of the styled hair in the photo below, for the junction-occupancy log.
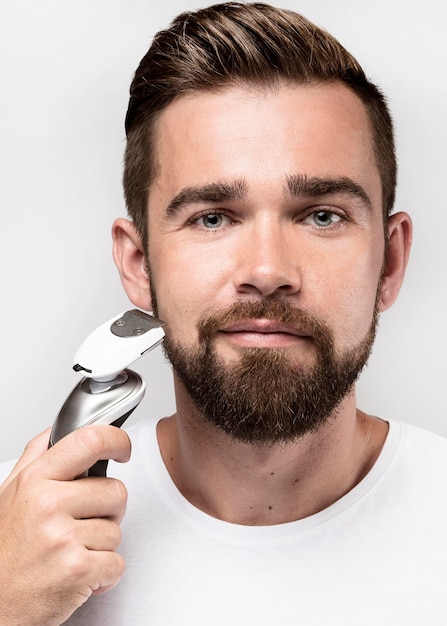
(240, 44)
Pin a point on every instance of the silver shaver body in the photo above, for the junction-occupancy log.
(92, 402)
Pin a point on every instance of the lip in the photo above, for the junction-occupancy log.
(263, 333)
(264, 326)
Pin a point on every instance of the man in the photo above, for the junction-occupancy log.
(260, 177)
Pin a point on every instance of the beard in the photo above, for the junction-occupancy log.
(265, 397)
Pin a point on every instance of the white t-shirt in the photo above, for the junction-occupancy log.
(378, 556)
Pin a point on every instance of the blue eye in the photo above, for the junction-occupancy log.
(322, 219)
(212, 221)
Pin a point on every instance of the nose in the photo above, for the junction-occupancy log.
(267, 260)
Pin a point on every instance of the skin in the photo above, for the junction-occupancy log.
(324, 253)
(59, 536)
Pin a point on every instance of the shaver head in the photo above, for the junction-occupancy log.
(118, 343)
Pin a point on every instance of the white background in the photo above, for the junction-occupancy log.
(65, 69)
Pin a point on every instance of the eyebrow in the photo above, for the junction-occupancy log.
(298, 185)
(213, 193)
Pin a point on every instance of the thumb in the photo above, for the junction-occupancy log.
(35, 448)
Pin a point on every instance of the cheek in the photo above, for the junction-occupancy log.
(355, 300)
(341, 287)
(187, 286)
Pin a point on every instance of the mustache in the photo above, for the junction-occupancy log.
(279, 310)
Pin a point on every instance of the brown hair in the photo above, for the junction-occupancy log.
(233, 43)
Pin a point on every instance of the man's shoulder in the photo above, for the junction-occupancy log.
(421, 454)
(422, 438)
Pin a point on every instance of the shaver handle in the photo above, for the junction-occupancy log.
(92, 402)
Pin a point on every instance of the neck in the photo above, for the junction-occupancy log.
(261, 485)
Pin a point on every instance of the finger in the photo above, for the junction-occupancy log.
(93, 571)
(34, 449)
(92, 497)
(77, 452)
(110, 570)
(101, 535)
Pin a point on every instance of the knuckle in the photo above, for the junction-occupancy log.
(76, 566)
(25, 478)
(26, 490)
(57, 535)
(90, 438)
(49, 503)
(98, 439)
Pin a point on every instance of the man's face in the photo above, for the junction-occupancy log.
(266, 242)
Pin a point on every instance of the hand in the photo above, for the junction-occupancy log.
(58, 536)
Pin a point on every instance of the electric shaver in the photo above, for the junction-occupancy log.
(108, 391)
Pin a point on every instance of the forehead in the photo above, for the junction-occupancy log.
(264, 135)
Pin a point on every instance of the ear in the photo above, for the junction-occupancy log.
(128, 254)
(400, 232)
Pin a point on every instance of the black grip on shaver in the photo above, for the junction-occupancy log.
(98, 469)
